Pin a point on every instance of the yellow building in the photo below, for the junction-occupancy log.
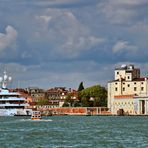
(127, 90)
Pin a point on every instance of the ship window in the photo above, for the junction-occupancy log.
(135, 83)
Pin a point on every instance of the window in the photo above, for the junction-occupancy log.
(128, 77)
(141, 82)
(116, 83)
(123, 88)
(128, 85)
(135, 88)
(135, 83)
(116, 89)
(142, 88)
(117, 72)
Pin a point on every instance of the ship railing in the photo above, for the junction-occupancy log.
(8, 104)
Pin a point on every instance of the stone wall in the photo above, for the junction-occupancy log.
(76, 110)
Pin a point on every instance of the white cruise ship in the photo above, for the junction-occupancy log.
(11, 103)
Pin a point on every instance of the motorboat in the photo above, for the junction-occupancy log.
(36, 115)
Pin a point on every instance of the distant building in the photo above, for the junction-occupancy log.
(36, 93)
(56, 96)
(128, 91)
(74, 95)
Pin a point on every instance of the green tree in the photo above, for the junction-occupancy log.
(71, 102)
(66, 104)
(42, 102)
(81, 87)
(68, 101)
(76, 103)
(94, 96)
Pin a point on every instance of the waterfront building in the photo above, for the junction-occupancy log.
(128, 91)
(36, 93)
(56, 96)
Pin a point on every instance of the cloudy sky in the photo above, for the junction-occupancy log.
(48, 43)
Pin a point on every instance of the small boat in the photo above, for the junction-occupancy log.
(36, 115)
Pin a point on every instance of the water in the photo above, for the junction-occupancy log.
(74, 132)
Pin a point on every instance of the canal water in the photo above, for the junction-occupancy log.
(74, 132)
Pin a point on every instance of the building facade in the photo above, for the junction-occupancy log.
(36, 93)
(56, 96)
(127, 91)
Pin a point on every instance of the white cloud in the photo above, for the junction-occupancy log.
(7, 39)
(69, 36)
(56, 3)
(140, 27)
(139, 33)
(26, 55)
(44, 20)
(122, 11)
(67, 31)
(77, 44)
(123, 45)
(128, 2)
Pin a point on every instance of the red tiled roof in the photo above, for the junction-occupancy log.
(124, 96)
(136, 79)
(140, 79)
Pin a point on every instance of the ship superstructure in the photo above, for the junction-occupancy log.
(11, 103)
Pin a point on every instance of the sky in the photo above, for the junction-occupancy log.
(60, 43)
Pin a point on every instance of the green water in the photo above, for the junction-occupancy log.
(74, 132)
